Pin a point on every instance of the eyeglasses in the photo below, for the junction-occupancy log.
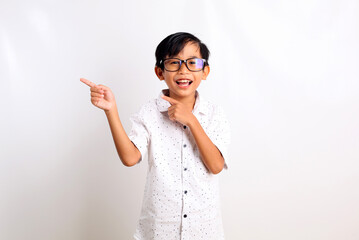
(174, 64)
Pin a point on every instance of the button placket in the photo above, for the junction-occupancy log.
(185, 183)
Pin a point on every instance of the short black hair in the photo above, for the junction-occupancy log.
(174, 43)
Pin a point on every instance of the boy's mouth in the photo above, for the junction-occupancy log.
(183, 82)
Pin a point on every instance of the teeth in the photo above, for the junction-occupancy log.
(183, 81)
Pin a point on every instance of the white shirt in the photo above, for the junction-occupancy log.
(181, 198)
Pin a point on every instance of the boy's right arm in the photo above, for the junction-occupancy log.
(102, 97)
(127, 151)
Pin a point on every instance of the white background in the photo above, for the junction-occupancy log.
(286, 72)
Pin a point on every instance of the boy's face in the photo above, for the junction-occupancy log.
(177, 81)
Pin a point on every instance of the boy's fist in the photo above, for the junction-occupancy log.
(178, 112)
(101, 96)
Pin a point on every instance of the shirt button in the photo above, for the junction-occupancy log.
(184, 145)
(185, 215)
(185, 192)
(185, 169)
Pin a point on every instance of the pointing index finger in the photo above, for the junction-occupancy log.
(87, 82)
(170, 100)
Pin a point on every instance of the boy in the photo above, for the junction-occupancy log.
(186, 139)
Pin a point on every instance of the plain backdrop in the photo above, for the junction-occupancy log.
(286, 73)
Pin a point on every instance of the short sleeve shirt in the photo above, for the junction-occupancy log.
(181, 198)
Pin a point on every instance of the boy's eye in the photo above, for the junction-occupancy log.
(175, 62)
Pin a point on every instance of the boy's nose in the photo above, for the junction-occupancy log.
(183, 68)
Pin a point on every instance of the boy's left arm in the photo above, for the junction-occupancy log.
(211, 156)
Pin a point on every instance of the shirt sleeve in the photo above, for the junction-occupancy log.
(220, 133)
(139, 134)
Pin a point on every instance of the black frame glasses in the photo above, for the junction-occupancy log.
(183, 61)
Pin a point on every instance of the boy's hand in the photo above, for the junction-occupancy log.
(178, 112)
(101, 96)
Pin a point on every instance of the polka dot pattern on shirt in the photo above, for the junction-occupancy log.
(181, 198)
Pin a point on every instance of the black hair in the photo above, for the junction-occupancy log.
(174, 43)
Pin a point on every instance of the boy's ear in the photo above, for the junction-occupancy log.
(205, 73)
(159, 73)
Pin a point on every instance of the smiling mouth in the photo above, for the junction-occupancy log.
(184, 83)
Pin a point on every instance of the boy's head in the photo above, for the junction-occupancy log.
(182, 61)
(174, 43)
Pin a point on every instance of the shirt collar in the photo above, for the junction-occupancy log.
(200, 105)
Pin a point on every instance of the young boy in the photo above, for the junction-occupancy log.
(186, 140)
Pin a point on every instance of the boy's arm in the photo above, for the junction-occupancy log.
(211, 156)
(127, 151)
(102, 97)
